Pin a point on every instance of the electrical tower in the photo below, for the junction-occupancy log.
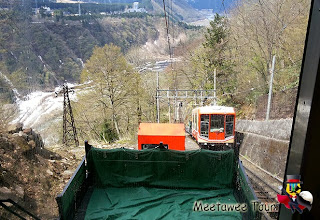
(69, 128)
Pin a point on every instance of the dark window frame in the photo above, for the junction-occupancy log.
(217, 127)
(206, 120)
(228, 121)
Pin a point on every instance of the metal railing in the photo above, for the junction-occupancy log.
(14, 204)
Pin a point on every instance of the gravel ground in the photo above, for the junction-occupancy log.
(190, 143)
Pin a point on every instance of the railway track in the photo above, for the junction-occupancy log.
(265, 191)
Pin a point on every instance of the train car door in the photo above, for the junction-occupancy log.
(217, 128)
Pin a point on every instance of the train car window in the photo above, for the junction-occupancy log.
(229, 125)
(197, 122)
(153, 146)
(217, 123)
(204, 125)
(193, 122)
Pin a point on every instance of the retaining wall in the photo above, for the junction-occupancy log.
(266, 143)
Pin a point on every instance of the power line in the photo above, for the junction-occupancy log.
(168, 14)
(172, 28)
(167, 27)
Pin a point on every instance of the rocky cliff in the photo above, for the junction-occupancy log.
(31, 175)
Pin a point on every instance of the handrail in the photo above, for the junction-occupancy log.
(18, 206)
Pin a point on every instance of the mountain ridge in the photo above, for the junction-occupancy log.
(217, 6)
(182, 10)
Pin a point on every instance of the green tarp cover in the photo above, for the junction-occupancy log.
(155, 203)
(157, 184)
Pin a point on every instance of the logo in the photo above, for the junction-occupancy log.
(293, 198)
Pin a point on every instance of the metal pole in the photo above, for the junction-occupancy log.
(214, 86)
(64, 139)
(158, 101)
(175, 106)
(178, 116)
(79, 9)
(169, 111)
(270, 87)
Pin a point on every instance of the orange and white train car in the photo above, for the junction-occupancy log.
(213, 125)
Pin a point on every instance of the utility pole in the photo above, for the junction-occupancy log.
(79, 9)
(175, 106)
(69, 128)
(180, 112)
(215, 86)
(177, 111)
(169, 111)
(270, 87)
(158, 101)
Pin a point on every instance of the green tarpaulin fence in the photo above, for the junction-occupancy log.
(162, 168)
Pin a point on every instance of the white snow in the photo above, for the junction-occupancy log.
(41, 58)
(37, 105)
(82, 64)
(15, 91)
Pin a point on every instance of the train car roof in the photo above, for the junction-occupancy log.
(161, 129)
(215, 109)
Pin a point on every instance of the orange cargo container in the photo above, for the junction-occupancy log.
(171, 135)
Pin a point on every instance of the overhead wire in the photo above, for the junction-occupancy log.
(172, 33)
(167, 27)
(168, 14)
(172, 28)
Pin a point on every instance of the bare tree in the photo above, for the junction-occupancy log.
(260, 29)
(113, 81)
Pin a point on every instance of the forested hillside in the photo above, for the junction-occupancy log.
(44, 53)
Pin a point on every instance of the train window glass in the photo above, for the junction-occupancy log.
(204, 126)
(197, 122)
(193, 121)
(217, 123)
(154, 146)
(229, 125)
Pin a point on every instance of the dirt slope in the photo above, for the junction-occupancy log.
(31, 175)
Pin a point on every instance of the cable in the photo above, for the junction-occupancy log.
(168, 14)
(172, 28)
(167, 27)
(224, 8)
